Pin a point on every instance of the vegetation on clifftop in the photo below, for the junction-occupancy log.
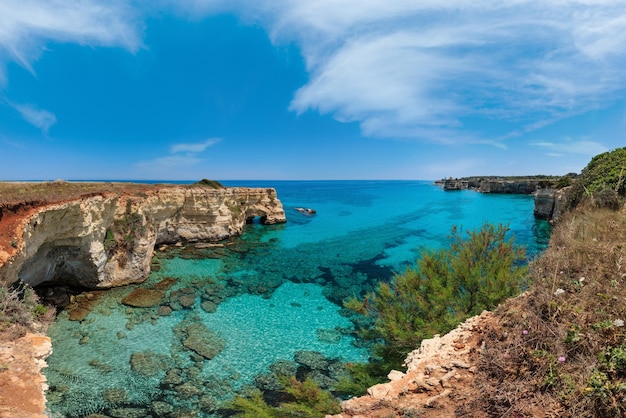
(445, 287)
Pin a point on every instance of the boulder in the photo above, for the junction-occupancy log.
(203, 341)
(144, 298)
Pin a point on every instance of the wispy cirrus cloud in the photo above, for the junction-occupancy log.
(570, 146)
(28, 25)
(181, 155)
(194, 147)
(40, 118)
(401, 69)
(422, 69)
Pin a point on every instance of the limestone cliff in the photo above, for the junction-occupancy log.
(549, 203)
(108, 239)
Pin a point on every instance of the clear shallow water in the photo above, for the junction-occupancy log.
(265, 296)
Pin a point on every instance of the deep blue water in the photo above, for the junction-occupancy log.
(273, 292)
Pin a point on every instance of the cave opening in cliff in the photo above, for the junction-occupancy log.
(259, 220)
(59, 265)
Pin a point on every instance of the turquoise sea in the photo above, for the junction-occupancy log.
(267, 301)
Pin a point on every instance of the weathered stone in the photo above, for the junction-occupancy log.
(161, 409)
(208, 306)
(147, 363)
(203, 341)
(129, 413)
(187, 301)
(379, 391)
(144, 298)
(187, 390)
(115, 395)
(164, 310)
(77, 313)
(311, 359)
(165, 283)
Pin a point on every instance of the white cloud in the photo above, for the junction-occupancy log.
(170, 161)
(194, 147)
(419, 69)
(569, 146)
(26, 26)
(400, 68)
(39, 118)
(181, 155)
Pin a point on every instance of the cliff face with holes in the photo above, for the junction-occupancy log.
(107, 240)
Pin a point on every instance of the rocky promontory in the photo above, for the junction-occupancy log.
(106, 239)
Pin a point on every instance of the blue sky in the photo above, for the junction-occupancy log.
(318, 89)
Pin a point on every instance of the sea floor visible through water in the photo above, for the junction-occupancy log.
(231, 317)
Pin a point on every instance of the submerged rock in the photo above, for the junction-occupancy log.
(144, 298)
(203, 341)
(209, 306)
(312, 359)
(147, 363)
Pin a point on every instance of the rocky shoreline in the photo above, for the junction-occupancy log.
(549, 194)
(102, 240)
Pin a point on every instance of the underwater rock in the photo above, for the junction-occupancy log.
(172, 377)
(208, 403)
(314, 360)
(268, 382)
(203, 341)
(165, 283)
(77, 313)
(147, 363)
(284, 368)
(328, 335)
(144, 298)
(208, 306)
(187, 390)
(161, 408)
(187, 301)
(129, 413)
(164, 310)
(115, 396)
(321, 379)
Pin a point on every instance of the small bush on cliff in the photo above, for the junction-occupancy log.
(443, 289)
(19, 306)
(214, 184)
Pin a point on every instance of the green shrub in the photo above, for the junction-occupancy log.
(604, 171)
(214, 184)
(445, 287)
(303, 400)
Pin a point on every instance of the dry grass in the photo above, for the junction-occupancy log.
(560, 349)
(56, 191)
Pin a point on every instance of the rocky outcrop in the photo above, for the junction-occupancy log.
(438, 380)
(22, 385)
(549, 203)
(108, 240)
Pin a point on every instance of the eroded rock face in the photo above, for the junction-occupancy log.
(549, 203)
(108, 240)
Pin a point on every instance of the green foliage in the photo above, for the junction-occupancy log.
(606, 171)
(252, 406)
(124, 232)
(445, 287)
(362, 376)
(303, 400)
(214, 184)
